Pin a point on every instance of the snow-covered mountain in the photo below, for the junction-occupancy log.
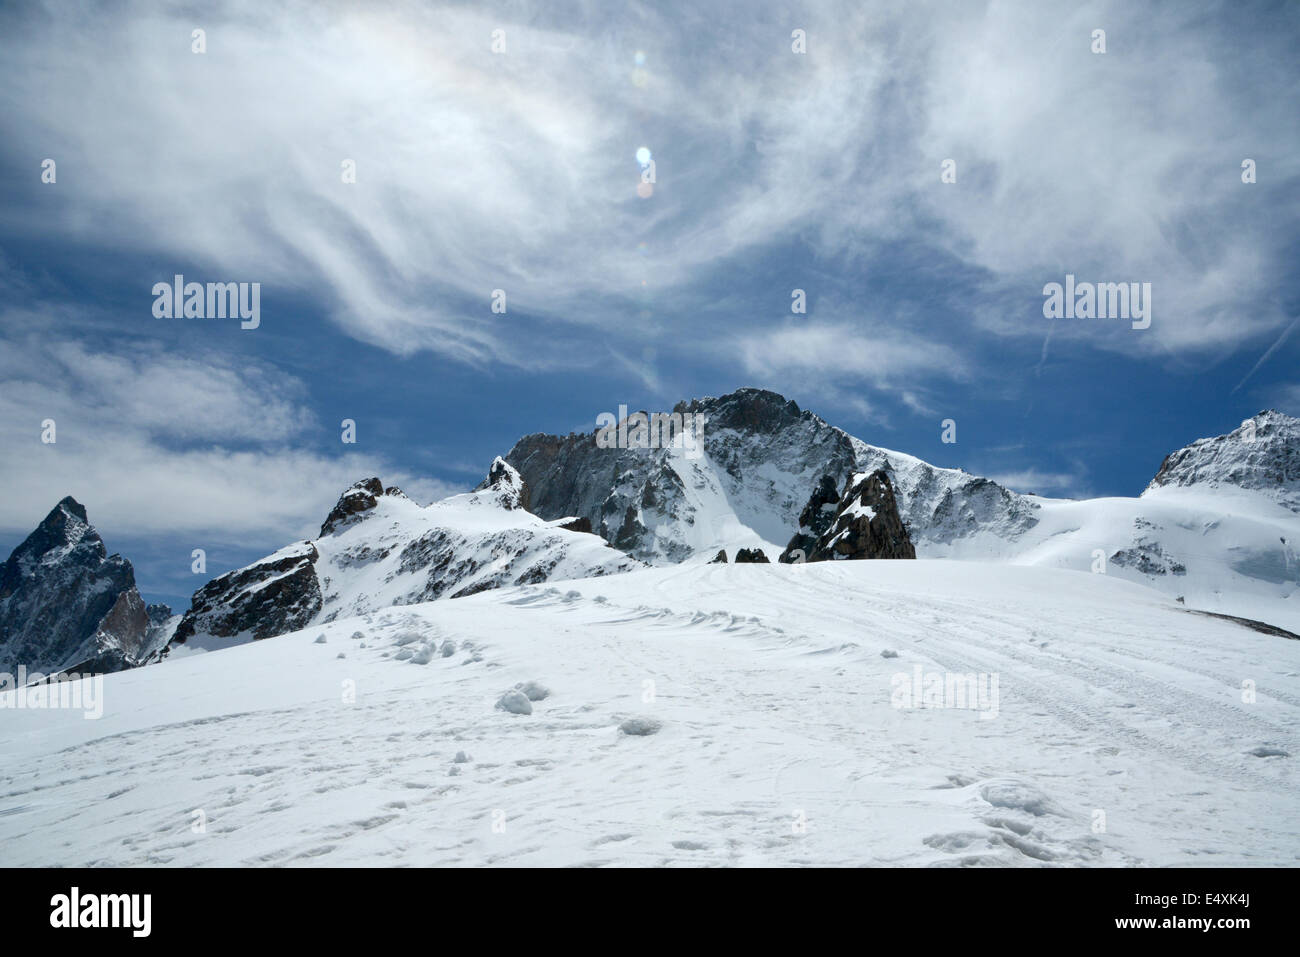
(931, 712)
(762, 458)
(66, 604)
(379, 548)
(1217, 527)
(1261, 455)
(758, 714)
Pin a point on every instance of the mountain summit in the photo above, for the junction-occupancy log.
(1262, 454)
(66, 604)
(763, 458)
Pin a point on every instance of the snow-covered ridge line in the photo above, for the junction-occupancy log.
(379, 548)
(1217, 527)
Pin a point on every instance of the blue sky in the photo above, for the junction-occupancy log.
(517, 170)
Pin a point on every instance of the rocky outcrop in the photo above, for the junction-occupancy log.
(720, 558)
(1148, 558)
(814, 521)
(866, 524)
(378, 548)
(509, 490)
(278, 594)
(1262, 454)
(66, 604)
(752, 556)
(359, 498)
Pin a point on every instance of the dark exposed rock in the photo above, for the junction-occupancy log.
(866, 524)
(751, 556)
(158, 613)
(1262, 627)
(720, 558)
(360, 497)
(127, 621)
(814, 521)
(65, 602)
(580, 524)
(1149, 558)
(505, 480)
(276, 595)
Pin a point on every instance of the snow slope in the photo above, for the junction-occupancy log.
(1223, 550)
(776, 706)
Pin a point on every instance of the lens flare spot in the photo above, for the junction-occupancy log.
(645, 190)
(643, 156)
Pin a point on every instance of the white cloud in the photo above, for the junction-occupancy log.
(153, 443)
(479, 171)
(878, 356)
(1035, 480)
(1123, 166)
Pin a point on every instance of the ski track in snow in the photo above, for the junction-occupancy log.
(1112, 699)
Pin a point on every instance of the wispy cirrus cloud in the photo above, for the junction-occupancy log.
(478, 171)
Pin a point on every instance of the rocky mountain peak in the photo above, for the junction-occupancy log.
(65, 527)
(753, 410)
(357, 498)
(762, 458)
(1261, 454)
(65, 602)
(865, 523)
(69, 507)
(509, 489)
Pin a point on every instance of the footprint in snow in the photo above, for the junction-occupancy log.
(640, 727)
(515, 702)
(1268, 751)
(533, 690)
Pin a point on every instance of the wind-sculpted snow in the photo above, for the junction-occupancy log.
(758, 714)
